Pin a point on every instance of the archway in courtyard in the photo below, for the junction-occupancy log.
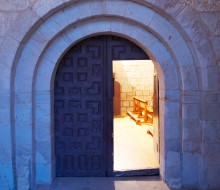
(83, 112)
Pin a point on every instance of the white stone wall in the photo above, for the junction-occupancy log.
(181, 37)
(136, 79)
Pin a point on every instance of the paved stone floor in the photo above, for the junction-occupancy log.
(109, 183)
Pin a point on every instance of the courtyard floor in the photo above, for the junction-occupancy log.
(133, 147)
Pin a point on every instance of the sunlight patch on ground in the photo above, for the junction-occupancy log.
(133, 147)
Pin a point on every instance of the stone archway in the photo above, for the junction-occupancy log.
(42, 52)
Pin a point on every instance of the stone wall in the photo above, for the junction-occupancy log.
(182, 38)
(135, 79)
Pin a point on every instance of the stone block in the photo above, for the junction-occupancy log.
(216, 45)
(126, 103)
(218, 63)
(43, 97)
(129, 97)
(158, 24)
(211, 131)
(213, 77)
(5, 143)
(191, 146)
(78, 11)
(38, 41)
(5, 116)
(126, 89)
(24, 73)
(210, 19)
(43, 81)
(55, 51)
(172, 109)
(190, 170)
(191, 96)
(131, 103)
(23, 137)
(43, 130)
(189, 76)
(23, 113)
(211, 158)
(138, 93)
(43, 155)
(23, 168)
(16, 5)
(159, 51)
(115, 8)
(135, 11)
(5, 100)
(102, 25)
(23, 98)
(98, 7)
(44, 174)
(171, 81)
(191, 111)
(24, 21)
(172, 144)
(6, 20)
(213, 97)
(42, 7)
(7, 52)
(213, 181)
(191, 130)
(146, 93)
(43, 111)
(211, 112)
(173, 169)
(170, 95)
(210, 154)
(6, 176)
(123, 109)
(129, 109)
(123, 96)
(173, 125)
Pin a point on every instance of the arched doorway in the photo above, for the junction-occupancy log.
(83, 109)
(165, 48)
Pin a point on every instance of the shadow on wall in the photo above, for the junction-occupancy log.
(117, 98)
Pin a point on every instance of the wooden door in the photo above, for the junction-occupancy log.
(83, 105)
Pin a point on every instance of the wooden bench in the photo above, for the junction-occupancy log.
(143, 109)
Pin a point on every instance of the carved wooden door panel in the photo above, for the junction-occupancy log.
(79, 108)
(83, 108)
